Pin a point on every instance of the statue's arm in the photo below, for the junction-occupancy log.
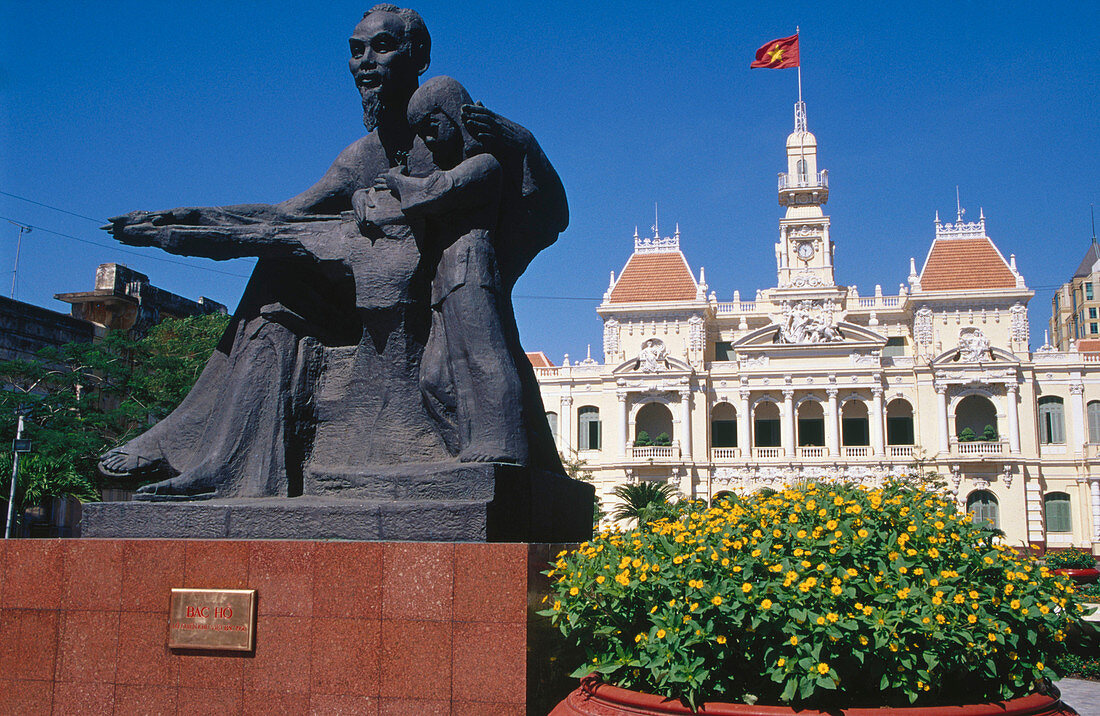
(514, 144)
(474, 182)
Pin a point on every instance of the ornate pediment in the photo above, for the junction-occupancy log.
(653, 358)
(840, 335)
(973, 349)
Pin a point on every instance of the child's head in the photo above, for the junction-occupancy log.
(435, 114)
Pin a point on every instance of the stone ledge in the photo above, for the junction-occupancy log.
(487, 503)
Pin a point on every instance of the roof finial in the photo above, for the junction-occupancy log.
(937, 220)
(959, 211)
(1092, 210)
(656, 231)
(635, 232)
(677, 229)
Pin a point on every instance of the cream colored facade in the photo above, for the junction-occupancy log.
(814, 380)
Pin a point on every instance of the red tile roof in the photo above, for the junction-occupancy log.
(539, 360)
(654, 277)
(965, 264)
(1088, 345)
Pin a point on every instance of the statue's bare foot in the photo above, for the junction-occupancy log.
(121, 463)
(479, 452)
(185, 484)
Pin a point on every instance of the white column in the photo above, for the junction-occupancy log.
(1094, 495)
(1077, 413)
(624, 427)
(832, 435)
(787, 419)
(945, 433)
(565, 421)
(744, 424)
(685, 423)
(877, 442)
(1013, 418)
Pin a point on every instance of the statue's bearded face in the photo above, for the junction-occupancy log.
(382, 64)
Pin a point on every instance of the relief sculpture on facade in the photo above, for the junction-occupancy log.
(808, 322)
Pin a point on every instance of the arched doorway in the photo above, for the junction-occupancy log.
(765, 425)
(723, 426)
(653, 425)
(973, 415)
(811, 424)
(855, 429)
(899, 423)
(983, 508)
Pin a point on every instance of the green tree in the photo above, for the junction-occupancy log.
(966, 435)
(643, 439)
(989, 434)
(83, 398)
(643, 501)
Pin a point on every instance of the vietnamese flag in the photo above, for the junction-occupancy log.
(778, 54)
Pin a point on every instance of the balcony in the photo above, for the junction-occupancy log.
(656, 453)
(978, 448)
(856, 450)
(906, 451)
(724, 453)
(812, 451)
(803, 181)
(767, 453)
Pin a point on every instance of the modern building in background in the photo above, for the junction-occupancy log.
(1075, 308)
(810, 380)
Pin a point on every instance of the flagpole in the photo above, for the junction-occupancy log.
(799, 64)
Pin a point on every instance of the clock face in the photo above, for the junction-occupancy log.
(805, 250)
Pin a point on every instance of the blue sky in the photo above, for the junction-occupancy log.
(106, 108)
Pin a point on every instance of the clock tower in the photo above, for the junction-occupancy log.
(804, 254)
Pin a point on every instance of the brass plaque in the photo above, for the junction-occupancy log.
(221, 619)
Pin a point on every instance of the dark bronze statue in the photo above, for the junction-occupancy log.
(376, 338)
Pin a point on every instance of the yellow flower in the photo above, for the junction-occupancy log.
(639, 638)
(836, 590)
(766, 604)
(823, 668)
(720, 639)
(781, 662)
(1015, 604)
(557, 606)
(794, 640)
(716, 600)
(573, 591)
(746, 587)
(1039, 665)
(821, 620)
(832, 617)
(992, 636)
(660, 633)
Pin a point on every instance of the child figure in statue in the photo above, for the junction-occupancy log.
(467, 367)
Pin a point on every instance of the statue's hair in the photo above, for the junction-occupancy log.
(416, 32)
(444, 93)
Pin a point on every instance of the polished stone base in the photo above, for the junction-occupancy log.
(467, 503)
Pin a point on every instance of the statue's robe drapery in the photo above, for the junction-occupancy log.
(247, 427)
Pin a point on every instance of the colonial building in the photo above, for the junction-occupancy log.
(808, 379)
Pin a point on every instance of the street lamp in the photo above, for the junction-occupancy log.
(18, 447)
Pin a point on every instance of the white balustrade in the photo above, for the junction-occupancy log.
(979, 447)
(767, 452)
(857, 450)
(901, 450)
(725, 453)
(651, 452)
(811, 451)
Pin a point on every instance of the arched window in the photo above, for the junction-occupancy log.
(655, 420)
(983, 508)
(854, 426)
(765, 425)
(1056, 511)
(811, 424)
(976, 418)
(1052, 421)
(899, 423)
(801, 167)
(552, 421)
(723, 426)
(1093, 410)
(588, 428)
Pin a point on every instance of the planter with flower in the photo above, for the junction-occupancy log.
(1077, 564)
(817, 598)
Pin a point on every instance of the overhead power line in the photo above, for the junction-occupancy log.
(54, 208)
(121, 250)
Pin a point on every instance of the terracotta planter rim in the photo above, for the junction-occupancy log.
(642, 704)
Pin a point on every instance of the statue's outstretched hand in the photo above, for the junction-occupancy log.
(493, 130)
